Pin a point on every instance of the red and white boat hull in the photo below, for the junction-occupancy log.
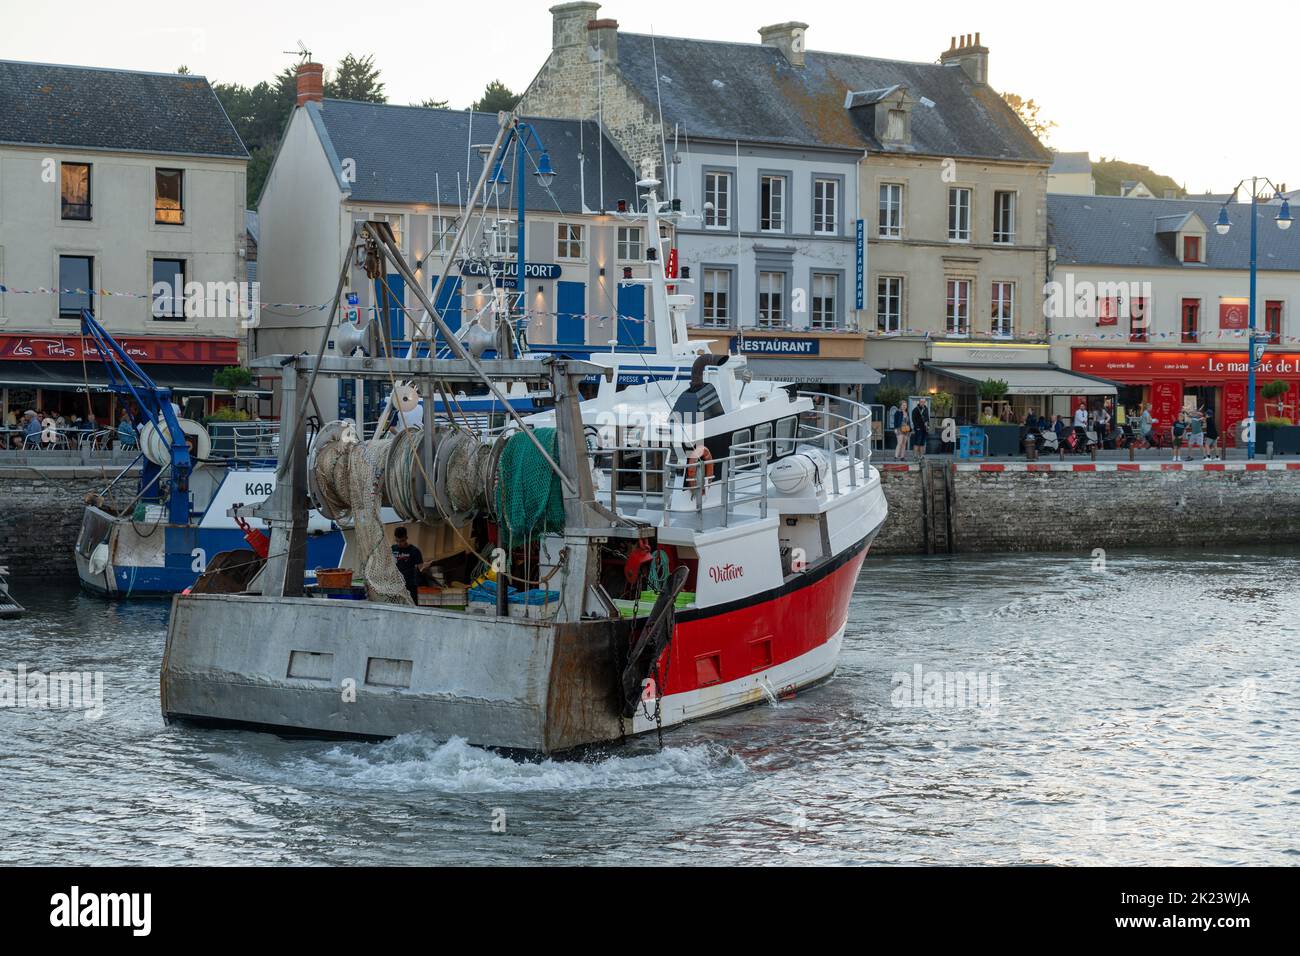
(755, 650)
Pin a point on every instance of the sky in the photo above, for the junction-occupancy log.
(1177, 88)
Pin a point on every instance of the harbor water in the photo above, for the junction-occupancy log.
(1135, 708)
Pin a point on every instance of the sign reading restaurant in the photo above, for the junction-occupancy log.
(775, 345)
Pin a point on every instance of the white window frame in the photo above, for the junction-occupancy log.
(889, 224)
(959, 214)
(627, 248)
(826, 207)
(884, 320)
(1004, 233)
(442, 234)
(957, 310)
(720, 318)
(817, 317)
(1003, 310)
(717, 190)
(766, 318)
(570, 236)
(775, 211)
(397, 220)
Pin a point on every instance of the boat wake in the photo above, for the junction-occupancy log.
(419, 762)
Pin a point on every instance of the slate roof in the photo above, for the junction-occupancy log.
(1120, 231)
(1066, 163)
(43, 104)
(409, 154)
(749, 92)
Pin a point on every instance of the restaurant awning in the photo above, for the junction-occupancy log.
(814, 371)
(73, 376)
(1029, 379)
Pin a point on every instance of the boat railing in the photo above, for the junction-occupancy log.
(841, 428)
(244, 441)
(697, 492)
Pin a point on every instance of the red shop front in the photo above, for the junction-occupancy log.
(1215, 379)
(49, 372)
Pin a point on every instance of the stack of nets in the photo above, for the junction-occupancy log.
(349, 476)
(529, 496)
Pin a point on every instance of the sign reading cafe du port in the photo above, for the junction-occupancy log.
(509, 271)
(775, 345)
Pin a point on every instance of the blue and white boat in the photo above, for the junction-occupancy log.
(162, 539)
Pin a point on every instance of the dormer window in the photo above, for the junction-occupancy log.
(1191, 248)
(896, 129)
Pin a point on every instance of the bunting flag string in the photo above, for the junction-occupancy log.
(1220, 335)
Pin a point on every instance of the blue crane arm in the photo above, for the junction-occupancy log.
(126, 378)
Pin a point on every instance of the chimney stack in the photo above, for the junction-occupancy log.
(603, 36)
(972, 56)
(311, 83)
(569, 23)
(788, 38)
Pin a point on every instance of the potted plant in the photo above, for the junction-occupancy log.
(232, 378)
(889, 396)
(940, 409)
(220, 425)
(1001, 439)
(1277, 429)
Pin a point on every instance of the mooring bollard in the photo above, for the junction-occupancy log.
(1132, 456)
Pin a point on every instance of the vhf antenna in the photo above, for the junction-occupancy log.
(302, 52)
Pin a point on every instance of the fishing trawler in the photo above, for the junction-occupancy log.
(9, 608)
(177, 517)
(658, 553)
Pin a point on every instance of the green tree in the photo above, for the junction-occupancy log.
(432, 104)
(497, 98)
(356, 78)
(1028, 111)
(183, 70)
(261, 112)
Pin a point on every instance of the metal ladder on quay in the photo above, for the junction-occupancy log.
(936, 507)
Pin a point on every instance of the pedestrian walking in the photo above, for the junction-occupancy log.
(1196, 433)
(1145, 423)
(920, 427)
(901, 428)
(1211, 435)
(1177, 432)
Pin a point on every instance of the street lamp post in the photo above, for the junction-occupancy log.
(1221, 226)
(521, 133)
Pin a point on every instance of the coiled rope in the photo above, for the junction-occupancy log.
(349, 477)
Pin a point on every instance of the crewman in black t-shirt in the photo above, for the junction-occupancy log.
(409, 559)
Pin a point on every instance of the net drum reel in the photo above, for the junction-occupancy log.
(155, 441)
(327, 453)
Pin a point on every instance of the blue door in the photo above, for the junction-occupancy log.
(571, 310)
(447, 304)
(631, 315)
(396, 307)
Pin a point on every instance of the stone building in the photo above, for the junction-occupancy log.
(853, 210)
(114, 183)
(1146, 293)
(341, 161)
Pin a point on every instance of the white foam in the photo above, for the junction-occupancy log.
(418, 762)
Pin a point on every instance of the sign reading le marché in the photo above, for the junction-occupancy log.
(775, 345)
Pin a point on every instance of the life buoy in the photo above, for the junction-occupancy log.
(695, 458)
